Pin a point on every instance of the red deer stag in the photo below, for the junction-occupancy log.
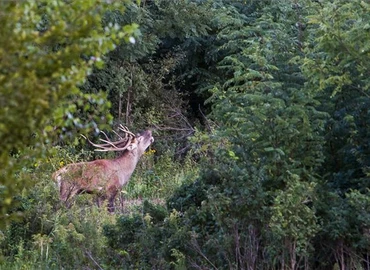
(104, 177)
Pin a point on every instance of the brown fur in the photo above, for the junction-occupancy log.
(103, 177)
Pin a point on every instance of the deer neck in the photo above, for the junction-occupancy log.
(127, 162)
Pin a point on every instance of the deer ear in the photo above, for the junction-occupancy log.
(132, 146)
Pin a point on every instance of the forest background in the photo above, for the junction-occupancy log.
(260, 113)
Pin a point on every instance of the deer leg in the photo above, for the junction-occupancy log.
(67, 191)
(111, 198)
(100, 200)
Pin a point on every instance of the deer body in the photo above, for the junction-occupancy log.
(103, 177)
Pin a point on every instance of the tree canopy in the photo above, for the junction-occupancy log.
(46, 51)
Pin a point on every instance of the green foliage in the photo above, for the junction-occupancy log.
(50, 236)
(340, 55)
(155, 177)
(276, 175)
(335, 63)
(53, 236)
(135, 238)
(141, 79)
(293, 221)
(154, 237)
(47, 50)
(181, 19)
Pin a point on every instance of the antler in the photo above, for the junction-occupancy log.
(120, 145)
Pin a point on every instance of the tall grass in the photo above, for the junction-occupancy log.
(157, 178)
(50, 236)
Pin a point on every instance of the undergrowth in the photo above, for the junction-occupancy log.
(50, 236)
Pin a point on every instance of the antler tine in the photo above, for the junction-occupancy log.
(104, 148)
(126, 130)
(107, 143)
(120, 145)
(119, 136)
(106, 136)
(94, 144)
